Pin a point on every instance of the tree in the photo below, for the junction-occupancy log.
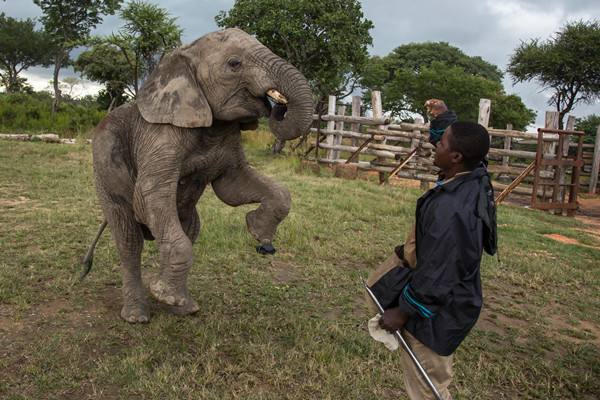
(326, 40)
(589, 125)
(567, 64)
(148, 34)
(509, 109)
(415, 72)
(105, 63)
(69, 23)
(21, 47)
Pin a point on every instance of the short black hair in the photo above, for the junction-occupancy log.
(471, 140)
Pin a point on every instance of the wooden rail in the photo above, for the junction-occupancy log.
(373, 143)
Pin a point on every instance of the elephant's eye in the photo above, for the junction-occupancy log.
(234, 63)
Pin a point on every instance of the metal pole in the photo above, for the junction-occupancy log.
(406, 348)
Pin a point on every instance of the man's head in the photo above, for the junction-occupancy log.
(462, 147)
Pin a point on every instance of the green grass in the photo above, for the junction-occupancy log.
(289, 326)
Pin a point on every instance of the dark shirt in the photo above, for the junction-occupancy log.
(443, 297)
(438, 125)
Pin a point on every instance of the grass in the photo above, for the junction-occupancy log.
(289, 326)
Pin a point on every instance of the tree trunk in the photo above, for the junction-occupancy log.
(57, 65)
(112, 104)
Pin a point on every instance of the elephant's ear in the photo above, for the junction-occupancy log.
(172, 95)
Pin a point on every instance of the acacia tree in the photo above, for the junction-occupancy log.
(415, 72)
(326, 40)
(21, 47)
(69, 23)
(148, 34)
(567, 64)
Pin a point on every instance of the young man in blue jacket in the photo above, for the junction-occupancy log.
(455, 222)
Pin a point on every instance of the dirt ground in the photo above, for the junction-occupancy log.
(588, 213)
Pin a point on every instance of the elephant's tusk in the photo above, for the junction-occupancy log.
(278, 97)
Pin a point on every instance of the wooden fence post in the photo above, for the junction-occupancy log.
(507, 143)
(330, 127)
(339, 126)
(377, 107)
(356, 103)
(595, 163)
(551, 122)
(485, 107)
(565, 152)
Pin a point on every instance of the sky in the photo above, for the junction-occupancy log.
(490, 29)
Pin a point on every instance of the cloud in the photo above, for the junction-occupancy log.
(490, 29)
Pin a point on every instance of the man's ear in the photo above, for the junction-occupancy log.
(457, 157)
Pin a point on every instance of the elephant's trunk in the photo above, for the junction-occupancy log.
(288, 121)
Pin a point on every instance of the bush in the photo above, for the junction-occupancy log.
(32, 113)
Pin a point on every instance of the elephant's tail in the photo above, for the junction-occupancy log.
(88, 260)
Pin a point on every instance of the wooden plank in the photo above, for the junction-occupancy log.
(519, 134)
(330, 126)
(549, 148)
(516, 171)
(507, 143)
(377, 107)
(339, 126)
(402, 164)
(364, 165)
(348, 134)
(366, 150)
(515, 183)
(512, 153)
(595, 164)
(358, 120)
(390, 133)
(356, 107)
(357, 152)
(563, 151)
(405, 126)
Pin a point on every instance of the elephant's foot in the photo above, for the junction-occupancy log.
(167, 294)
(135, 313)
(265, 246)
(190, 307)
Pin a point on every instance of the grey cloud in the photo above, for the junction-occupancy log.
(472, 25)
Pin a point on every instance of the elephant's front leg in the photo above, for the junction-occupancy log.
(244, 185)
(157, 202)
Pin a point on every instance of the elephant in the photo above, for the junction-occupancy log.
(154, 157)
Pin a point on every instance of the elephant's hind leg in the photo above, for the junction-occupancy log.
(128, 236)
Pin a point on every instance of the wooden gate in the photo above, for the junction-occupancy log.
(556, 159)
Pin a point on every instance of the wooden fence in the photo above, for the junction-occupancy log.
(375, 144)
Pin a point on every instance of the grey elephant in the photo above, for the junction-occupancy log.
(154, 157)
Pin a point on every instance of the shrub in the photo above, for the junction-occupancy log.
(31, 113)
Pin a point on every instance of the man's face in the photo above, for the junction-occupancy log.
(445, 157)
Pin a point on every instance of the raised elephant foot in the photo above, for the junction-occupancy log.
(265, 246)
(168, 295)
(135, 314)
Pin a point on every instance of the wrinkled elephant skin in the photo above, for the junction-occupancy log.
(153, 158)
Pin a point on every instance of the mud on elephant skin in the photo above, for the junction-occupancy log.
(154, 157)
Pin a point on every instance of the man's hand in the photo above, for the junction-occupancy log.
(435, 107)
(393, 319)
